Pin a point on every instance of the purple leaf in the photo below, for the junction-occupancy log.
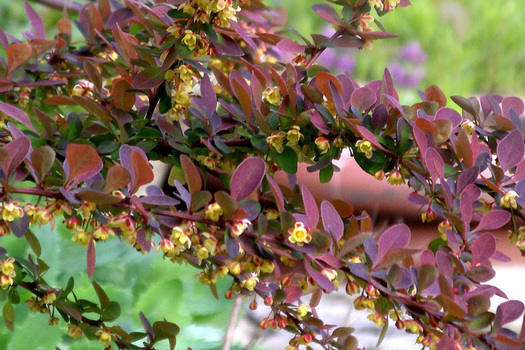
(160, 200)
(36, 21)
(19, 226)
(507, 312)
(232, 247)
(427, 258)
(318, 122)
(318, 277)
(147, 325)
(277, 193)
(327, 12)
(290, 46)
(247, 177)
(143, 239)
(18, 150)
(493, 220)
(293, 293)
(228, 46)
(435, 164)
(465, 206)
(449, 114)
(483, 248)
(444, 263)
(209, 97)
(514, 103)
(510, 150)
(396, 104)
(148, 79)
(332, 220)
(3, 39)
(90, 257)
(397, 236)
(243, 35)
(467, 177)
(363, 98)
(16, 114)
(310, 207)
(370, 247)
(118, 16)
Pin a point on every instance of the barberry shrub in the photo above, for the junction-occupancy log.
(213, 89)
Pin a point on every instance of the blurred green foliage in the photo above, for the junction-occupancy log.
(472, 46)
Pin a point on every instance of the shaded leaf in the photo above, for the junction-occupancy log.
(394, 256)
(117, 177)
(90, 257)
(318, 277)
(426, 275)
(435, 164)
(142, 173)
(510, 150)
(102, 296)
(17, 54)
(332, 222)
(148, 79)
(191, 174)
(8, 313)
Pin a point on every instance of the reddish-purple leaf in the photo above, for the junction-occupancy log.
(148, 79)
(465, 206)
(507, 312)
(290, 46)
(42, 160)
(318, 277)
(247, 177)
(159, 200)
(142, 173)
(435, 164)
(144, 239)
(483, 248)
(18, 150)
(293, 293)
(3, 39)
(493, 220)
(90, 257)
(396, 104)
(80, 159)
(363, 98)
(118, 16)
(332, 222)
(36, 21)
(277, 193)
(448, 114)
(117, 177)
(444, 263)
(16, 114)
(310, 207)
(510, 150)
(19, 226)
(427, 258)
(445, 343)
(327, 12)
(397, 236)
(426, 276)
(191, 174)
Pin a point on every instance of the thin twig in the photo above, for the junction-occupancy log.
(233, 320)
(61, 4)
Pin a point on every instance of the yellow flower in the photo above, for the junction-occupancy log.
(207, 161)
(7, 267)
(202, 253)
(12, 211)
(413, 327)
(271, 214)
(83, 88)
(5, 282)
(276, 140)
(49, 297)
(213, 212)
(235, 268)
(102, 233)
(365, 147)
(81, 237)
(322, 144)
(361, 303)
(74, 331)
(395, 178)
(468, 126)
(273, 95)
(509, 200)
(376, 3)
(185, 73)
(299, 234)
(294, 135)
(182, 98)
(240, 226)
(377, 319)
(86, 208)
(250, 283)
(190, 40)
(302, 310)
(391, 4)
(222, 271)
(105, 337)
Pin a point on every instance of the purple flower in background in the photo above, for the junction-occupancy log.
(409, 69)
(413, 52)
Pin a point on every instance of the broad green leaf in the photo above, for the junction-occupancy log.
(287, 160)
(102, 296)
(8, 313)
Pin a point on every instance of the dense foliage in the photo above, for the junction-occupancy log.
(204, 86)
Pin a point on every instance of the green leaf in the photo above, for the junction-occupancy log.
(200, 199)
(102, 296)
(227, 203)
(326, 173)
(111, 313)
(8, 314)
(74, 126)
(287, 160)
(165, 330)
(33, 242)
